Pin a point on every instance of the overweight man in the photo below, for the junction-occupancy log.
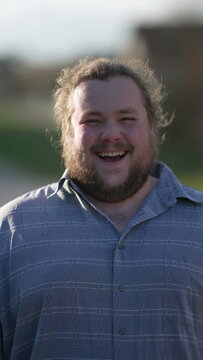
(107, 263)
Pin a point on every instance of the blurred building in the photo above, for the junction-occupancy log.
(176, 55)
(19, 79)
(174, 52)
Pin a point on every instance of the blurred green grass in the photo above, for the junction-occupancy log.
(185, 161)
(28, 142)
(195, 180)
(35, 147)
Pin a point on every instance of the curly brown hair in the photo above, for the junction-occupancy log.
(90, 68)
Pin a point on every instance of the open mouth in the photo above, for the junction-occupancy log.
(112, 156)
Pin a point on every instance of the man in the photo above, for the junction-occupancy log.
(106, 264)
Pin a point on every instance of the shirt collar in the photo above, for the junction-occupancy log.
(65, 184)
(59, 185)
(169, 189)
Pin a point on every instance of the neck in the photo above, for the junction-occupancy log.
(122, 211)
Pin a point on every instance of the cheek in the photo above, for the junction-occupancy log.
(147, 133)
(82, 140)
(86, 138)
(143, 140)
(78, 136)
(139, 137)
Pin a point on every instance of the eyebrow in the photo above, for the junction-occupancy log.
(121, 111)
(127, 110)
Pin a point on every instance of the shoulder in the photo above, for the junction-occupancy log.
(31, 198)
(28, 216)
(172, 190)
(189, 208)
(195, 196)
(29, 204)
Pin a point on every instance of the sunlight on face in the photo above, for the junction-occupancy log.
(112, 151)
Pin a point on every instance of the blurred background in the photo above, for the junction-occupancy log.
(39, 37)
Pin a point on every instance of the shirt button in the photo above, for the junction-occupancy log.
(120, 246)
(121, 288)
(122, 331)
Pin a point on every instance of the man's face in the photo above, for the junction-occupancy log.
(111, 151)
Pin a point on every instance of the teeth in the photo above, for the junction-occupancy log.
(112, 154)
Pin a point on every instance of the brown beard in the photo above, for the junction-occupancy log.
(90, 183)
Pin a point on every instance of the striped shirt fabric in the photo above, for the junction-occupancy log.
(72, 287)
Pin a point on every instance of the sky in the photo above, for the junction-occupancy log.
(53, 30)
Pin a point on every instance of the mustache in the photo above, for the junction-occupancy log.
(105, 146)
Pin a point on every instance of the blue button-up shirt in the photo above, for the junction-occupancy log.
(72, 287)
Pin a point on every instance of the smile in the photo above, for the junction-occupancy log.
(112, 156)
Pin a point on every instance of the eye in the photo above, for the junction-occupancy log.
(128, 119)
(92, 121)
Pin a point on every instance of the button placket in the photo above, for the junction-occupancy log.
(120, 246)
(121, 288)
(122, 331)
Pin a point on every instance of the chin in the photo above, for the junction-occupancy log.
(112, 184)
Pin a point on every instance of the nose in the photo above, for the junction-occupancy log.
(110, 132)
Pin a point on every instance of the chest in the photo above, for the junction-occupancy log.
(120, 220)
(103, 292)
(152, 260)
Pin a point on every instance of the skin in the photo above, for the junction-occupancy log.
(109, 118)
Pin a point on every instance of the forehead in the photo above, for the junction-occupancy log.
(118, 91)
